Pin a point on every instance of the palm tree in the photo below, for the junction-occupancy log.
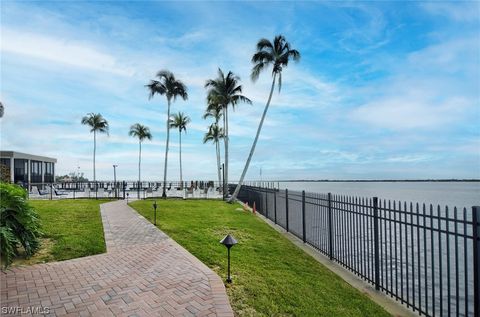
(225, 91)
(277, 54)
(214, 110)
(142, 133)
(214, 134)
(179, 121)
(97, 123)
(172, 88)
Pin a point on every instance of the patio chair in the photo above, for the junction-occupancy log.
(189, 192)
(149, 191)
(59, 192)
(33, 190)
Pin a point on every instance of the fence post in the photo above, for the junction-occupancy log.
(330, 227)
(303, 217)
(286, 207)
(375, 241)
(275, 205)
(266, 203)
(123, 185)
(476, 260)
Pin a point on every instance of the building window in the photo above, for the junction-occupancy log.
(36, 171)
(5, 161)
(49, 172)
(20, 171)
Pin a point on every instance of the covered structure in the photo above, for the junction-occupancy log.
(22, 168)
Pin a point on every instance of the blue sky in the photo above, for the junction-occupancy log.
(383, 89)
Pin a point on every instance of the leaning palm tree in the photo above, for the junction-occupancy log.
(225, 90)
(277, 54)
(172, 88)
(142, 133)
(179, 121)
(214, 134)
(97, 123)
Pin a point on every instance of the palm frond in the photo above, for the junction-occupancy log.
(264, 43)
(140, 131)
(167, 85)
(179, 121)
(278, 54)
(224, 90)
(256, 70)
(96, 122)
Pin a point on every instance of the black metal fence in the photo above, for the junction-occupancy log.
(425, 257)
(123, 189)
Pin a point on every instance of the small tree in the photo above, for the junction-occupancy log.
(142, 133)
(97, 124)
(172, 88)
(215, 134)
(179, 121)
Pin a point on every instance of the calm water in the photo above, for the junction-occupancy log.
(459, 194)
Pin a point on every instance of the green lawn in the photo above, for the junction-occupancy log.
(271, 276)
(71, 229)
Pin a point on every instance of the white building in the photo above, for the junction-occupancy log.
(27, 168)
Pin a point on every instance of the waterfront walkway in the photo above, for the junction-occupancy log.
(143, 273)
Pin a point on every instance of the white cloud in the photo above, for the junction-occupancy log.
(462, 11)
(432, 88)
(70, 69)
(414, 111)
(60, 50)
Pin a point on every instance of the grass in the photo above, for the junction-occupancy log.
(271, 276)
(71, 229)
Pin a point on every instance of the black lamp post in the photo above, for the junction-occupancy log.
(155, 213)
(223, 180)
(115, 179)
(229, 242)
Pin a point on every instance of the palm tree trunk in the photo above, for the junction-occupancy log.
(217, 145)
(181, 177)
(225, 179)
(164, 194)
(139, 167)
(252, 150)
(94, 150)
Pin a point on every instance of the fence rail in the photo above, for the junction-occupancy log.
(425, 257)
(123, 190)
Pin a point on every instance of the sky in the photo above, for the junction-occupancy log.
(383, 90)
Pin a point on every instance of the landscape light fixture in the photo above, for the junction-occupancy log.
(155, 212)
(229, 242)
(127, 197)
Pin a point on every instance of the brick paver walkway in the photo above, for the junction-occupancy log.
(143, 273)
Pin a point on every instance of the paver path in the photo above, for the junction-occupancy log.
(143, 273)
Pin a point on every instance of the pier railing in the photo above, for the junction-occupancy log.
(426, 257)
(124, 190)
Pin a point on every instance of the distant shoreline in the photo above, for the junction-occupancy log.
(368, 180)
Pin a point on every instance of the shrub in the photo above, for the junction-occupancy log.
(19, 223)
